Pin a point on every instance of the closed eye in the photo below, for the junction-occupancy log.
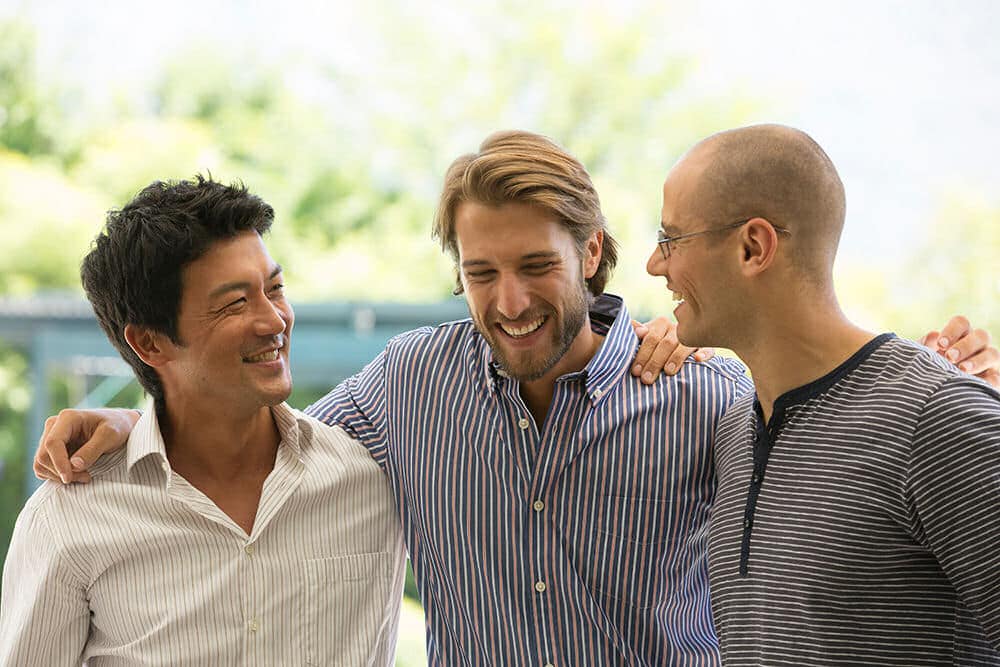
(538, 267)
(234, 305)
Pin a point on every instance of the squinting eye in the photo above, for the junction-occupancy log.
(538, 268)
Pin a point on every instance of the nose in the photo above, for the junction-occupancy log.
(512, 297)
(273, 318)
(656, 265)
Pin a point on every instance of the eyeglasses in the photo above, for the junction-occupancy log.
(665, 242)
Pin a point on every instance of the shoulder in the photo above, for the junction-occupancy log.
(735, 418)
(439, 351)
(329, 440)
(108, 469)
(439, 337)
(718, 371)
(904, 362)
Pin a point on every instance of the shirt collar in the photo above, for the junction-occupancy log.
(146, 439)
(615, 354)
(609, 317)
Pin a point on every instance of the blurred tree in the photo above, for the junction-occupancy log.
(953, 271)
(956, 268)
(14, 402)
(26, 117)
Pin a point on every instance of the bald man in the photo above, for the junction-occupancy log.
(857, 517)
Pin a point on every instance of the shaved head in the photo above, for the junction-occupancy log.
(777, 173)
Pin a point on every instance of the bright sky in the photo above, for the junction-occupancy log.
(904, 95)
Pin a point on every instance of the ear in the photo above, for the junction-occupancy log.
(592, 254)
(153, 347)
(758, 247)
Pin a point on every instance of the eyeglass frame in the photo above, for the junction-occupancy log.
(662, 238)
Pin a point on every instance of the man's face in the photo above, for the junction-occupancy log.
(696, 268)
(234, 325)
(524, 283)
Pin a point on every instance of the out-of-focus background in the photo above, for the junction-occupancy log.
(344, 117)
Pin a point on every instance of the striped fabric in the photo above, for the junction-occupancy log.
(580, 541)
(875, 536)
(140, 568)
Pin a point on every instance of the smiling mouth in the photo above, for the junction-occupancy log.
(678, 297)
(521, 332)
(271, 355)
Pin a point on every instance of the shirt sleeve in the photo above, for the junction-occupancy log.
(44, 614)
(955, 493)
(358, 405)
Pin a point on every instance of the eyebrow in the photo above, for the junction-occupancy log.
(524, 258)
(234, 286)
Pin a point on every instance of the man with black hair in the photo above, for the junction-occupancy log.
(231, 529)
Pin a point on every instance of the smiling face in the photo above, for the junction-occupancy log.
(698, 272)
(234, 326)
(524, 282)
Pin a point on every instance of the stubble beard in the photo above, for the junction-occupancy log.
(532, 368)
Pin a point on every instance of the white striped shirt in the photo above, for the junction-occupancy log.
(139, 567)
(862, 525)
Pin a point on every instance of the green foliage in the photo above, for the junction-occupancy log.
(25, 122)
(953, 272)
(14, 398)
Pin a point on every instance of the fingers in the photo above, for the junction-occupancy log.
(930, 339)
(992, 376)
(704, 353)
(980, 363)
(967, 348)
(665, 355)
(975, 343)
(957, 327)
(640, 329)
(106, 438)
(53, 453)
(74, 439)
(653, 333)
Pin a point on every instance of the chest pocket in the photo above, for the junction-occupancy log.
(627, 550)
(346, 600)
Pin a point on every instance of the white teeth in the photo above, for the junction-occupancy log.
(263, 356)
(522, 331)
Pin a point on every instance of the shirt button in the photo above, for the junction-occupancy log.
(540, 586)
(253, 626)
(538, 505)
(249, 549)
(746, 523)
(597, 394)
(523, 423)
(756, 478)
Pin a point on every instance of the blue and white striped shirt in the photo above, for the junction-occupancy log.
(580, 541)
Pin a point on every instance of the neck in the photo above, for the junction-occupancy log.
(224, 446)
(801, 343)
(537, 394)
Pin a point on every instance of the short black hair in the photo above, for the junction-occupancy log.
(132, 274)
